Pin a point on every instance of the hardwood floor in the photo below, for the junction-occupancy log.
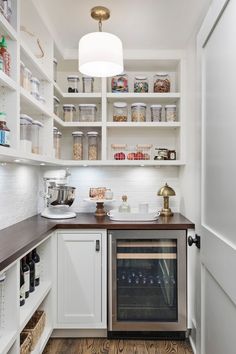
(106, 346)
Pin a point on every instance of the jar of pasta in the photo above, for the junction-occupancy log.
(120, 112)
(78, 145)
(138, 112)
(92, 145)
(170, 113)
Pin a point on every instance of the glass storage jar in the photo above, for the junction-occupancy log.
(57, 143)
(87, 84)
(170, 113)
(56, 104)
(92, 145)
(35, 83)
(55, 69)
(36, 133)
(27, 79)
(73, 83)
(87, 112)
(156, 110)
(140, 84)
(69, 112)
(78, 145)
(22, 73)
(161, 82)
(138, 112)
(119, 83)
(120, 112)
(26, 133)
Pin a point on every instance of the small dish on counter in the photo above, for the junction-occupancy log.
(134, 215)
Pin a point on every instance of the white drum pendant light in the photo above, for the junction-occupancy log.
(100, 53)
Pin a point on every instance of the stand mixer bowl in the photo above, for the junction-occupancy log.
(61, 195)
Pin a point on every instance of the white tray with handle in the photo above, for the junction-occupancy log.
(115, 215)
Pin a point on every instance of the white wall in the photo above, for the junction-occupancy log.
(139, 183)
(19, 187)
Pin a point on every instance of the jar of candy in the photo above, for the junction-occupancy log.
(87, 84)
(120, 112)
(156, 110)
(92, 145)
(78, 145)
(170, 113)
(161, 82)
(73, 83)
(138, 112)
(119, 83)
(141, 84)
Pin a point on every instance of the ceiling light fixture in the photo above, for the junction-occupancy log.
(100, 53)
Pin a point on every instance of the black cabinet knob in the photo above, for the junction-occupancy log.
(196, 241)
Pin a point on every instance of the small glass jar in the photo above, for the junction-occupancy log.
(26, 133)
(69, 112)
(35, 83)
(73, 83)
(140, 84)
(138, 112)
(120, 112)
(36, 132)
(27, 79)
(56, 104)
(87, 84)
(22, 73)
(78, 145)
(57, 143)
(156, 110)
(92, 145)
(119, 83)
(161, 82)
(87, 112)
(170, 113)
(55, 69)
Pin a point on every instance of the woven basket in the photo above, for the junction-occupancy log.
(25, 342)
(35, 327)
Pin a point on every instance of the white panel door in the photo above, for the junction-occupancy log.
(216, 45)
(80, 278)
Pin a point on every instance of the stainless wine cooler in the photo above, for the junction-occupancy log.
(147, 280)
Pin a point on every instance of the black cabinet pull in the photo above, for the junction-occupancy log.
(97, 245)
(196, 241)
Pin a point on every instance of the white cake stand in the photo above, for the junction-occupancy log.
(100, 210)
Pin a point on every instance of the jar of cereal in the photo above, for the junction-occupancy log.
(170, 113)
(161, 82)
(92, 145)
(120, 112)
(138, 112)
(141, 84)
(78, 145)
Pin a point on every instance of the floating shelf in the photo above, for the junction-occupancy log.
(169, 125)
(29, 104)
(170, 97)
(7, 29)
(60, 122)
(89, 97)
(8, 82)
(86, 163)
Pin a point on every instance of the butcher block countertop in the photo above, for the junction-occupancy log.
(17, 239)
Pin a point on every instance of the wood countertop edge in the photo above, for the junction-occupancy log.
(46, 227)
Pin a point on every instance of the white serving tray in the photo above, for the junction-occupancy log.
(115, 215)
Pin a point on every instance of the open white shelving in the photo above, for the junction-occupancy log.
(7, 82)
(31, 105)
(7, 29)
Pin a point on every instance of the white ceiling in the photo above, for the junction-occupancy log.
(140, 24)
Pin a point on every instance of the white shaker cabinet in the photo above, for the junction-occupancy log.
(81, 299)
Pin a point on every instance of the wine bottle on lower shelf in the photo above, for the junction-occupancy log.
(22, 287)
(26, 272)
(36, 260)
(31, 265)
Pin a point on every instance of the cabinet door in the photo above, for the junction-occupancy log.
(80, 279)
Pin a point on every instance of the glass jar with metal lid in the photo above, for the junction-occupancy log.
(36, 132)
(156, 111)
(87, 112)
(35, 84)
(26, 133)
(69, 114)
(56, 105)
(140, 84)
(120, 112)
(92, 145)
(73, 83)
(78, 145)
(119, 83)
(87, 84)
(138, 112)
(170, 113)
(57, 143)
(161, 82)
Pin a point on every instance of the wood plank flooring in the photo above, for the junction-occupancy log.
(106, 346)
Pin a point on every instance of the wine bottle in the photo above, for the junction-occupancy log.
(36, 260)
(22, 287)
(26, 272)
(31, 265)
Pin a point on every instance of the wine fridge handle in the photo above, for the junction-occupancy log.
(97, 246)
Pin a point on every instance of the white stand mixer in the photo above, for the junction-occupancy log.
(58, 195)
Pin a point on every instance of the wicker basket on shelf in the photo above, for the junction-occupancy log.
(35, 327)
(25, 342)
